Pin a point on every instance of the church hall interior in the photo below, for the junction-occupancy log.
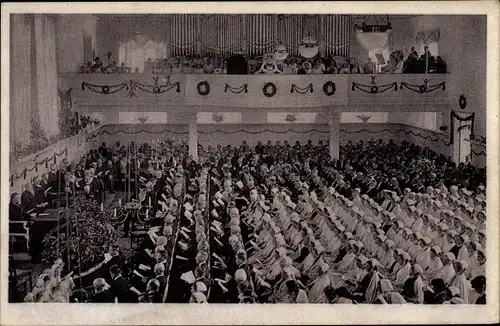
(247, 158)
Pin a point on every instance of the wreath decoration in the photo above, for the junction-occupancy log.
(269, 92)
(462, 102)
(329, 88)
(203, 88)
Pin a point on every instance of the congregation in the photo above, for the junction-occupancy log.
(387, 223)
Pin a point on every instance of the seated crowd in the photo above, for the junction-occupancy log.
(217, 64)
(385, 223)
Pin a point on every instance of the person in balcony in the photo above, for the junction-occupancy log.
(440, 65)
(355, 67)
(344, 69)
(331, 66)
(208, 67)
(319, 68)
(369, 67)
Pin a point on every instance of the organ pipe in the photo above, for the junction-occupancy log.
(257, 33)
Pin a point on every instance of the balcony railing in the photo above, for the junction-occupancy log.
(382, 92)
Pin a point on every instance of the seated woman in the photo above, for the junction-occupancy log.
(318, 67)
(388, 295)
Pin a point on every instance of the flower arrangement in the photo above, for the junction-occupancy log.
(291, 118)
(91, 233)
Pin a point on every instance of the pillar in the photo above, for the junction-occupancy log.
(334, 126)
(193, 138)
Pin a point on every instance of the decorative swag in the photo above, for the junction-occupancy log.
(453, 116)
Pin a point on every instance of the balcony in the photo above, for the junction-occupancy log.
(385, 93)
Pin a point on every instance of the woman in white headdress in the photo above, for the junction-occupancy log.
(316, 293)
(435, 263)
(460, 280)
(387, 259)
(478, 268)
(447, 273)
(348, 260)
(358, 272)
(449, 241)
(401, 272)
(388, 295)
(413, 288)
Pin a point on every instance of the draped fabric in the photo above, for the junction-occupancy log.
(20, 86)
(46, 69)
(135, 55)
(370, 41)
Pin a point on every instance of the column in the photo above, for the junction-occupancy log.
(193, 137)
(334, 126)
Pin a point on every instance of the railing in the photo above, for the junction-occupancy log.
(92, 92)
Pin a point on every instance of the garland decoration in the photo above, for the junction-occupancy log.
(105, 89)
(218, 117)
(462, 102)
(45, 161)
(308, 88)
(269, 92)
(329, 88)
(481, 153)
(203, 88)
(236, 90)
(454, 116)
(291, 118)
(373, 88)
(424, 88)
(157, 88)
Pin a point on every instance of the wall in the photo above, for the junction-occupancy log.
(106, 39)
(402, 31)
(72, 148)
(70, 30)
(227, 134)
(463, 46)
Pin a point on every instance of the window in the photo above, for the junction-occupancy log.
(140, 56)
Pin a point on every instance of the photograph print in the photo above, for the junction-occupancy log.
(247, 158)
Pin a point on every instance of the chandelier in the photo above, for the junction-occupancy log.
(373, 36)
(308, 48)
